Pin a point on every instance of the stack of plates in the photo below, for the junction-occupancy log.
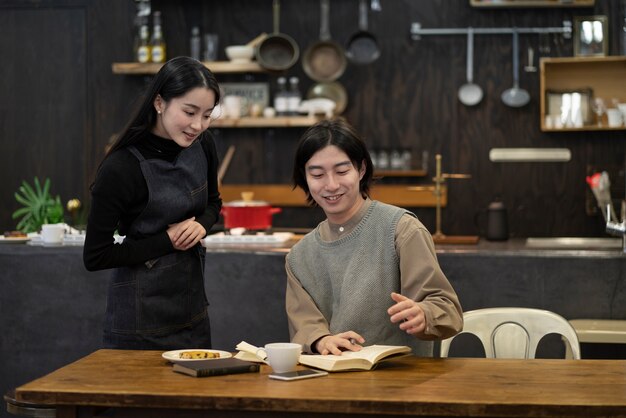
(277, 238)
(68, 240)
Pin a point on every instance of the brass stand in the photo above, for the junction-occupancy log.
(439, 237)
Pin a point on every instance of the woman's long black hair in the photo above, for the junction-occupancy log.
(177, 77)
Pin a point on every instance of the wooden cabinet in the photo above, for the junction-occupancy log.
(601, 76)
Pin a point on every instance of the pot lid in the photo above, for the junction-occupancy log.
(246, 203)
(246, 200)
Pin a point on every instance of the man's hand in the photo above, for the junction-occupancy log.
(335, 344)
(408, 313)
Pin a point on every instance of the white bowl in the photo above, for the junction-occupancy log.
(239, 53)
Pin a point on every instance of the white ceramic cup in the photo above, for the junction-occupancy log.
(52, 234)
(282, 357)
(232, 106)
(614, 117)
(622, 108)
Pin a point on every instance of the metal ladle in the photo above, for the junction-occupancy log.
(470, 94)
(515, 97)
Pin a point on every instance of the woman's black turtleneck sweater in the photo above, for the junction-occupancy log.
(120, 194)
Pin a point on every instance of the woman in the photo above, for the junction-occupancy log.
(369, 272)
(157, 186)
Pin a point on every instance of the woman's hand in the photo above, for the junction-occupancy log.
(408, 313)
(186, 234)
(335, 344)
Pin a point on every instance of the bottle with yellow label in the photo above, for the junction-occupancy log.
(157, 43)
(143, 44)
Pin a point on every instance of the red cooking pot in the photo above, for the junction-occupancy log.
(249, 214)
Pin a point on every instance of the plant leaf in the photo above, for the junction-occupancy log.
(22, 200)
(28, 192)
(20, 212)
(45, 194)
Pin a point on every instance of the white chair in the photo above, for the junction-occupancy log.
(514, 332)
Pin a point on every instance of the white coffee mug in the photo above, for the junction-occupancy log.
(52, 234)
(282, 357)
(614, 117)
(232, 106)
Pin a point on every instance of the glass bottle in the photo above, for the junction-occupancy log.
(395, 159)
(280, 97)
(142, 53)
(383, 160)
(295, 97)
(157, 42)
(195, 43)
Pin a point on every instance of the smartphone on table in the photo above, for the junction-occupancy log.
(298, 374)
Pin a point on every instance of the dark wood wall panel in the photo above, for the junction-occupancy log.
(407, 99)
(43, 98)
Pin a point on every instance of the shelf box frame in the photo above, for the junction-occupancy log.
(604, 75)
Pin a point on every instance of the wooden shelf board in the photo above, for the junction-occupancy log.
(214, 66)
(261, 122)
(584, 128)
(283, 195)
(399, 173)
(531, 3)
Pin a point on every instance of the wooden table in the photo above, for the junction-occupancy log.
(128, 383)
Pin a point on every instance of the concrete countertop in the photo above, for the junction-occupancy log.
(512, 247)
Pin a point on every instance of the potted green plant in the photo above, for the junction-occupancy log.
(39, 206)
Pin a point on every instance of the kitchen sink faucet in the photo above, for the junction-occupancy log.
(615, 227)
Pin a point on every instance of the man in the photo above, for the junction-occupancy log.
(368, 274)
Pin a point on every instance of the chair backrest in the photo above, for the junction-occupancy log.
(514, 332)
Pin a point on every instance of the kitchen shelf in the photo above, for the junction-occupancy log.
(261, 122)
(603, 75)
(136, 68)
(399, 173)
(532, 3)
(285, 195)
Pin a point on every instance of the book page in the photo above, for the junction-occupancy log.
(364, 359)
(374, 353)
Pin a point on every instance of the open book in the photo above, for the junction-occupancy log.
(365, 359)
(249, 352)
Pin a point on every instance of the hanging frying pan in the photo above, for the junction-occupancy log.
(363, 47)
(278, 51)
(324, 60)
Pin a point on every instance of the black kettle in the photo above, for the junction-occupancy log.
(497, 222)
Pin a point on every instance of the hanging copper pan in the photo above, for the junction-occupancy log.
(325, 59)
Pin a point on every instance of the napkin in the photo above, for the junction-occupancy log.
(248, 352)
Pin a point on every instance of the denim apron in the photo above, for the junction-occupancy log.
(161, 304)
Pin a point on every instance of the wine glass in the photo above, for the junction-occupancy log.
(599, 108)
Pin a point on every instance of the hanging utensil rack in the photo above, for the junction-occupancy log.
(417, 31)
